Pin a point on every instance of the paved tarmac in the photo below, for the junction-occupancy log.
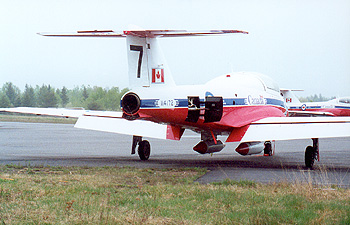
(63, 145)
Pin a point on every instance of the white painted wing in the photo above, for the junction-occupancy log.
(309, 113)
(107, 121)
(62, 112)
(288, 128)
(119, 125)
(46, 111)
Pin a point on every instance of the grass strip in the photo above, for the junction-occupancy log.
(112, 195)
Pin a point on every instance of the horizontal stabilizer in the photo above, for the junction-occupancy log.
(288, 128)
(142, 33)
(122, 126)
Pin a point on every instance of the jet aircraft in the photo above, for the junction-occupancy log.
(334, 107)
(247, 107)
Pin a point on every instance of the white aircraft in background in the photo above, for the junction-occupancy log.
(245, 106)
(334, 107)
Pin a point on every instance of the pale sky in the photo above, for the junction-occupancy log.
(302, 44)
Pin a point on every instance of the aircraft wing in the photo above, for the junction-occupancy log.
(61, 112)
(108, 121)
(271, 128)
(309, 113)
(289, 128)
(122, 126)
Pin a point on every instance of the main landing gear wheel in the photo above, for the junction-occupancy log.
(312, 153)
(309, 157)
(144, 150)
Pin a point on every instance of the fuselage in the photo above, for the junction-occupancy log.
(247, 97)
(334, 107)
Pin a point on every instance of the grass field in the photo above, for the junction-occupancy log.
(111, 195)
(108, 195)
(8, 117)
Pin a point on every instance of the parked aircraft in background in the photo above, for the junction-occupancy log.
(334, 107)
(245, 106)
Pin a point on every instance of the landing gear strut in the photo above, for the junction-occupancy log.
(144, 149)
(268, 148)
(312, 153)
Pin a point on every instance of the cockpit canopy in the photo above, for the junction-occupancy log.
(269, 83)
(251, 80)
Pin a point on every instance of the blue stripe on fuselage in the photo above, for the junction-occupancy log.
(152, 103)
(342, 107)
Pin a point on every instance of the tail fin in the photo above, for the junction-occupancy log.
(147, 66)
(289, 96)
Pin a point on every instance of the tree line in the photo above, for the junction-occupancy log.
(315, 98)
(93, 98)
(46, 96)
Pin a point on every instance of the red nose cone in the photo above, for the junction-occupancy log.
(243, 149)
(201, 147)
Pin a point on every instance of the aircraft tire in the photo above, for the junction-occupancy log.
(144, 150)
(309, 157)
(268, 148)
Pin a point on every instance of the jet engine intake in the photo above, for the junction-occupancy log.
(204, 147)
(130, 105)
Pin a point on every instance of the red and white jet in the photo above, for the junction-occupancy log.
(334, 107)
(245, 106)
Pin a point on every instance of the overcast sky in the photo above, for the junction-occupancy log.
(302, 44)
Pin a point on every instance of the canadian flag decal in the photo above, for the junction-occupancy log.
(158, 75)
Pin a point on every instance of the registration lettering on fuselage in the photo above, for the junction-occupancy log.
(166, 103)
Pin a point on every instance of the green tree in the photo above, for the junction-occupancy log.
(112, 100)
(96, 99)
(13, 93)
(75, 97)
(28, 97)
(85, 93)
(47, 97)
(314, 98)
(4, 101)
(64, 96)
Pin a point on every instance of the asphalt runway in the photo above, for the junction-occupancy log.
(63, 145)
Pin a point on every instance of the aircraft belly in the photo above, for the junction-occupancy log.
(234, 116)
(178, 116)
